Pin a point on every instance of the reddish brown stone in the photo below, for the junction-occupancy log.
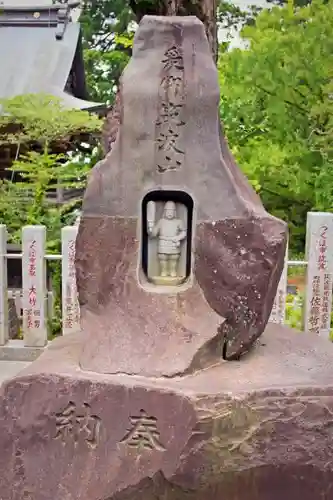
(140, 404)
(255, 429)
(238, 247)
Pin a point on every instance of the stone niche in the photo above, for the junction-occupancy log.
(166, 239)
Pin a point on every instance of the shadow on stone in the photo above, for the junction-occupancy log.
(14, 323)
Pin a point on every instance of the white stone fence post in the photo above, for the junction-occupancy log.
(35, 300)
(278, 314)
(319, 277)
(34, 286)
(70, 303)
(319, 254)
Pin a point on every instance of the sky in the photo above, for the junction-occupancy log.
(232, 34)
(244, 3)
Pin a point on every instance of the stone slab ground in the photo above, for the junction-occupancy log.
(9, 369)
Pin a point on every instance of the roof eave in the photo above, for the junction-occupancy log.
(71, 102)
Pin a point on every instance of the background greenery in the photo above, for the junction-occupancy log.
(49, 152)
(276, 106)
(276, 95)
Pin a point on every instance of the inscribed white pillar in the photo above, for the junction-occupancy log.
(3, 286)
(70, 302)
(319, 254)
(278, 313)
(34, 286)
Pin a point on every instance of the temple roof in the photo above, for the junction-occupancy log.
(39, 46)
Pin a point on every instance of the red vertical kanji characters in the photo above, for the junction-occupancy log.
(32, 258)
(32, 312)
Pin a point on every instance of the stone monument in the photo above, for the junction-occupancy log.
(177, 268)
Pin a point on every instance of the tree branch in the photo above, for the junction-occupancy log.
(281, 195)
(302, 110)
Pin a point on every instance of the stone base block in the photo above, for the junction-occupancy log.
(256, 429)
(15, 350)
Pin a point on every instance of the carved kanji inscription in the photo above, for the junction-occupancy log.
(169, 124)
(170, 111)
(173, 58)
(73, 423)
(143, 433)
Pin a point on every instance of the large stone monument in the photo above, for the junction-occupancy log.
(177, 269)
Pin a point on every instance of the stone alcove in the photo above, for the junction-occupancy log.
(166, 238)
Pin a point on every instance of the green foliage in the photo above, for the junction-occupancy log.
(102, 21)
(231, 15)
(278, 110)
(24, 202)
(42, 118)
(108, 29)
(35, 124)
(294, 311)
(107, 26)
(55, 323)
(125, 40)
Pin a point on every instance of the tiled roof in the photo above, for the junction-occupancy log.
(37, 49)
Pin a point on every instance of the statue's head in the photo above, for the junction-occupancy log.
(170, 210)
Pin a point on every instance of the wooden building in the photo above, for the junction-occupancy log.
(41, 52)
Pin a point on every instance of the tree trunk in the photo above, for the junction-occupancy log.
(205, 10)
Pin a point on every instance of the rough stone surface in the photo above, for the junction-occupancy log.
(255, 429)
(238, 247)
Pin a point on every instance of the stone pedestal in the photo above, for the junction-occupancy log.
(256, 429)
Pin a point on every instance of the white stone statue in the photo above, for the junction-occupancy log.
(170, 232)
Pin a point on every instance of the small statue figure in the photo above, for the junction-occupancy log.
(170, 232)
